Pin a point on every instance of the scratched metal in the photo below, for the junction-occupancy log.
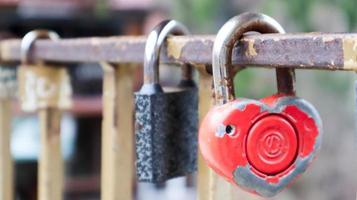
(303, 50)
(166, 134)
(243, 175)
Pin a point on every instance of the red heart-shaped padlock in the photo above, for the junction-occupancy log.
(259, 145)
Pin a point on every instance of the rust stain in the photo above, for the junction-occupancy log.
(350, 53)
(251, 50)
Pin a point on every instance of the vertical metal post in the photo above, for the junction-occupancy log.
(6, 163)
(46, 90)
(117, 175)
(205, 102)
(210, 185)
(8, 87)
(50, 174)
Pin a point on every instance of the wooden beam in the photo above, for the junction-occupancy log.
(323, 51)
(117, 176)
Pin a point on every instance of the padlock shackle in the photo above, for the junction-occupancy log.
(227, 37)
(154, 42)
(29, 39)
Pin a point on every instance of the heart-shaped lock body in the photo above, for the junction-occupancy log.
(259, 145)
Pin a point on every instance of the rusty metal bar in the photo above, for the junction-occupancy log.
(304, 50)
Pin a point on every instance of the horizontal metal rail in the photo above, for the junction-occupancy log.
(303, 50)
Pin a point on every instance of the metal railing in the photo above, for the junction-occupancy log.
(301, 51)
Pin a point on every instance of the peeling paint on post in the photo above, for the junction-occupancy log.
(8, 87)
(6, 163)
(46, 89)
(118, 170)
(205, 102)
(350, 53)
(210, 186)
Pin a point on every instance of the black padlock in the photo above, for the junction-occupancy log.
(166, 118)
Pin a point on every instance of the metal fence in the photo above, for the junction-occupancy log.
(117, 55)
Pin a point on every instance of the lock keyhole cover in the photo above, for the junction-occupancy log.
(271, 144)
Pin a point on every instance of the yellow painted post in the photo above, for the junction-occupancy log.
(7, 93)
(205, 102)
(50, 169)
(117, 173)
(6, 164)
(46, 89)
(210, 186)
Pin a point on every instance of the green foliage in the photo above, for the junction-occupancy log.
(250, 83)
(199, 14)
(300, 12)
(337, 83)
(101, 8)
(241, 82)
(349, 9)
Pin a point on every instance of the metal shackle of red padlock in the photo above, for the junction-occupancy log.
(259, 145)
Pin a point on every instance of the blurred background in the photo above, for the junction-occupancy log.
(331, 177)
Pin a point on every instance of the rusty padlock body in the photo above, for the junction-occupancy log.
(259, 145)
(166, 119)
(38, 91)
(42, 85)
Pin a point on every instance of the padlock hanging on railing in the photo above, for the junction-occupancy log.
(259, 145)
(45, 88)
(166, 118)
(42, 85)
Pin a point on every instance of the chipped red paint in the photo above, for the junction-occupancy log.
(265, 137)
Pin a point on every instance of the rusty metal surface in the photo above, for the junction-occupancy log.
(166, 134)
(285, 81)
(229, 35)
(304, 50)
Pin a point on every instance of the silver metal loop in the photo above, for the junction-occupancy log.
(29, 39)
(230, 33)
(153, 46)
